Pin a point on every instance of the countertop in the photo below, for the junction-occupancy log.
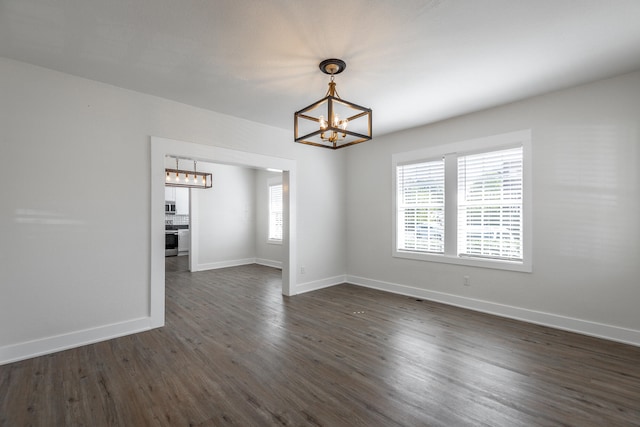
(176, 227)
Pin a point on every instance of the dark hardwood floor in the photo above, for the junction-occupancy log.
(236, 352)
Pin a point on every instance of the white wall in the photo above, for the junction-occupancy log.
(72, 268)
(224, 217)
(267, 253)
(586, 201)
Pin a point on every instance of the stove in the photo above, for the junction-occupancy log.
(170, 242)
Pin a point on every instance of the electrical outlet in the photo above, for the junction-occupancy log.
(302, 270)
(467, 281)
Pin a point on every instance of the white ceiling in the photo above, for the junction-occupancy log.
(411, 61)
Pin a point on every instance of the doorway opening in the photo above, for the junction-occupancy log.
(237, 221)
(162, 147)
(177, 223)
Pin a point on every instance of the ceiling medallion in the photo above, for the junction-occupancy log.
(332, 122)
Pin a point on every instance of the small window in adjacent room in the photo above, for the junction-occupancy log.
(466, 203)
(275, 213)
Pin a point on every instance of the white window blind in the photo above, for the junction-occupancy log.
(490, 193)
(420, 201)
(275, 212)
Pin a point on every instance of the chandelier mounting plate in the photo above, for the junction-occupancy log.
(332, 66)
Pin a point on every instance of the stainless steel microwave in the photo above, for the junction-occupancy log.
(169, 207)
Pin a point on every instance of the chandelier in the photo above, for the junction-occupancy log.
(332, 122)
(186, 178)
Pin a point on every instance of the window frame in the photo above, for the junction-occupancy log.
(450, 153)
(273, 182)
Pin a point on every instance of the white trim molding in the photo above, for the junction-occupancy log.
(39, 347)
(269, 263)
(584, 327)
(320, 284)
(223, 264)
(237, 262)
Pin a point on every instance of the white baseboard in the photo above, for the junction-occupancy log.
(20, 351)
(224, 264)
(319, 284)
(26, 350)
(585, 327)
(269, 263)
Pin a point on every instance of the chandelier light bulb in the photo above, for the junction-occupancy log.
(323, 122)
(168, 178)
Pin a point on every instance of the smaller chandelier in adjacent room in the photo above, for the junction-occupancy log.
(186, 178)
(332, 122)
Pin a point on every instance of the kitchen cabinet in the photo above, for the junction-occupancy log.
(170, 194)
(184, 237)
(180, 196)
(182, 201)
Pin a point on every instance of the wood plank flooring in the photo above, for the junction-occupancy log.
(234, 351)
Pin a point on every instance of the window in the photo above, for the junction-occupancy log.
(275, 212)
(421, 206)
(466, 203)
(490, 204)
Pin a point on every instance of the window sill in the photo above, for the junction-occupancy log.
(524, 267)
(274, 242)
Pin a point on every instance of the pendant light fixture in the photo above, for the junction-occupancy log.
(185, 178)
(332, 122)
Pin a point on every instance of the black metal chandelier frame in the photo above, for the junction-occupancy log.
(339, 135)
